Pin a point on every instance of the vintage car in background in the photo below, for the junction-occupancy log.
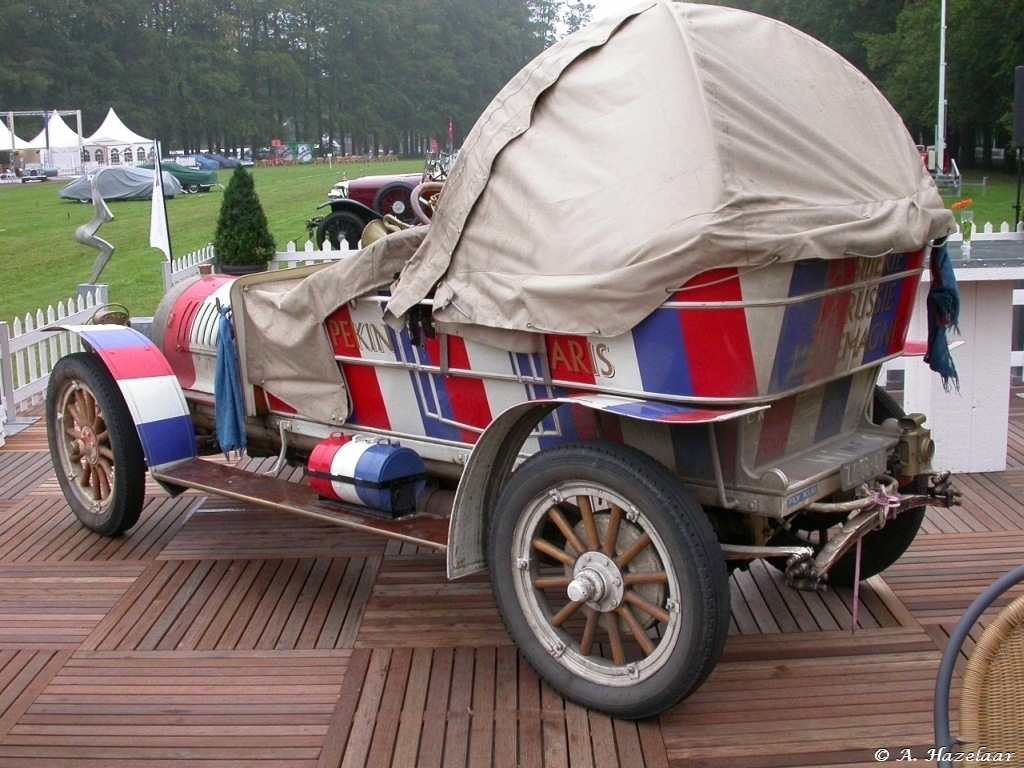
(608, 418)
(118, 182)
(192, 180)
(355, 203)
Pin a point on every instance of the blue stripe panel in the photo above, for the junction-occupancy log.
(122, 338)
(431, 406)
(833, 408)
(796, 339)
(168, 440)
(649, 411)
(883, 320)
(661, 353)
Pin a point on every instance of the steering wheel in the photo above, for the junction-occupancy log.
(428, 191)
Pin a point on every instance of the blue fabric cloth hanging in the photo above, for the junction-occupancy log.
(943, 306)
(227, 389)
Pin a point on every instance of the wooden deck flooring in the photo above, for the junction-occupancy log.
(218, 634)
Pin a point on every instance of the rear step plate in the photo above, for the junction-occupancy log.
(222, 480)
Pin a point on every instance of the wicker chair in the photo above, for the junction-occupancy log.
(992, 693)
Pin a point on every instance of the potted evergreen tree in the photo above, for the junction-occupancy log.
(242, 242)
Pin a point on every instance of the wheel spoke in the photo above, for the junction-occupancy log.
(612, 534)
(589, 524)
(635, 599)
(634, 627)
(552, 582)
(549, 549)
(638, 546)
(645, 577)
(559, 520)
(568, 610)
(589, 632)
(611, 626)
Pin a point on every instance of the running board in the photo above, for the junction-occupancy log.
(221, 480)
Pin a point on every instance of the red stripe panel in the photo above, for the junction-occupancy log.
(368, 407)
(467, 396)
(717, 340)
(135, 362)
(570, 359)
(832, 320)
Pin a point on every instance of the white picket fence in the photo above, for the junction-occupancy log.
(28, 352)
(176, 270)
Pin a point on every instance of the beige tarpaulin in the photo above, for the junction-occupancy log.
(621, 162)
(652, 146)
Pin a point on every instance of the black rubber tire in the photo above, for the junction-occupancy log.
(343, 229)
(192, 188)
(881, 548)
(98, 458)
(684, 555)
(395, 193)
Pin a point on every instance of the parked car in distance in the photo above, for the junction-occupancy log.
(192, 179)
(355, 203)
(35, 172)
(119, 182)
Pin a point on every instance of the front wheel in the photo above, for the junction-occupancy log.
(94, 445)
(609, 578)
(343, 229)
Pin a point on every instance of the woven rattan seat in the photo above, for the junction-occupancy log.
(992, 694)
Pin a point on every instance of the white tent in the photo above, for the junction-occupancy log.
(117, 143)
(55, 134)
(59, 145)
(9, 141)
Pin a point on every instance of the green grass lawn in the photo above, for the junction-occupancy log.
(41, 263)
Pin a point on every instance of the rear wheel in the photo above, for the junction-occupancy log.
(609, 578)
(343, 229)
(880, 548)
(395, 200)
(94, 445)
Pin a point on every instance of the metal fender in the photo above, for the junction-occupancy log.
(350, 205)
(498, 450)
(150, 390)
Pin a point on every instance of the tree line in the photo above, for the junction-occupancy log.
(392, 74)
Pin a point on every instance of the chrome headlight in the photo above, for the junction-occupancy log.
(339, 190)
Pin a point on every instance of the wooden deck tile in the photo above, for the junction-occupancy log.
(178, 708)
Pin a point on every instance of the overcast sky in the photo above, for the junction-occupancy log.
(605, 7)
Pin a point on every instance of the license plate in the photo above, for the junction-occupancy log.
(868, 466)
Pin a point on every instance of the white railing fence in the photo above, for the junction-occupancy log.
(176, 270)
(28, 353)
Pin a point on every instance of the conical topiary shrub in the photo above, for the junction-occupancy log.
(242, 238)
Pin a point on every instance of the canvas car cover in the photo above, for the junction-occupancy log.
(656, 144)
(621, 162)
(119, 182)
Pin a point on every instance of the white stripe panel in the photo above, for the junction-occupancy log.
(764, 325)
(619, 352)
(153, 398)
(344, 465)
(400, 400)
(501, 395)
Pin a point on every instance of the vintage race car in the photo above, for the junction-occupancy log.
(355, 203)
(607, 418)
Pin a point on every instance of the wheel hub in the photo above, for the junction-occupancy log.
(88, 446)
(596, 581)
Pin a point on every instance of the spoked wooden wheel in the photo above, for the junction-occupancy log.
(94, 446)
(609, 578)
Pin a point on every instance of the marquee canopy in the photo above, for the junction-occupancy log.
(55, 134)
(113, 132)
